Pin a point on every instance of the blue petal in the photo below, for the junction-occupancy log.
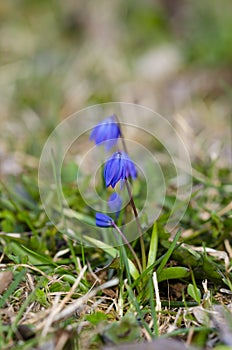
(132, 170)
(118, 167)
(130, 167)
(107, 131)
(109, 172)
(103, 220)
(115, 171)
(115, 202)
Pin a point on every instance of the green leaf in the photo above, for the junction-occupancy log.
(168, 254)
(176, 272)
(40, 297)
(59, 287)
(153, 246)
(125, 331)
(114, 253)
(194, 292)
(32, 257)
(96, 318)
(79, 216)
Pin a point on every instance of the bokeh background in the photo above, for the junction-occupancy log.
(58, 57)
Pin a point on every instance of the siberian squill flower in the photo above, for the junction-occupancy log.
(119, 167)
(107, 132)
(103, 220)
(115, 203)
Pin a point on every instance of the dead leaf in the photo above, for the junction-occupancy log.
(25, 332)
(222, 320)
(6, 278)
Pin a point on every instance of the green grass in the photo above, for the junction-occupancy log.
(46, 265)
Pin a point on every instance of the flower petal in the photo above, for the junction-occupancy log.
(103, 220)
(115, 202)
(107, 131)
(118, 168)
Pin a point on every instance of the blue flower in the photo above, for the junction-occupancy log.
(119, 167)
(115, 203)
(107, 132)
(103, 220)
(131, 169)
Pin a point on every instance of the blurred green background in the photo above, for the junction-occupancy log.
(58, 57)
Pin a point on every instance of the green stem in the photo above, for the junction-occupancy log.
(128, 245)
(121, 135)
(142, 245)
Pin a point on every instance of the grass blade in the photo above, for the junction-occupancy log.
(176, 272)
(153, 246)
(168, 254)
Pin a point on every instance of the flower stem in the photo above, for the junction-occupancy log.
(142, 245)
(129, 246)
(121, 135)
